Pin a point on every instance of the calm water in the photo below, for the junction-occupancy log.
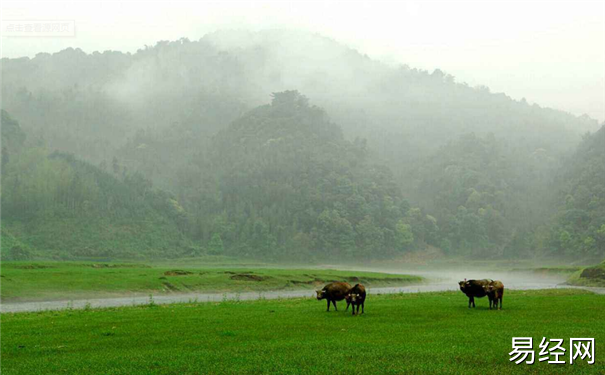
(437, 281)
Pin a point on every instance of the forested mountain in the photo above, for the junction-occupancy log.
(172, 97)
(482, 171)
(579, 226)
(486, 193)
(55, 206)
(281, 181)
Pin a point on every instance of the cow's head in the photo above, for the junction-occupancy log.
(321, 294)
(489, 288)
(463, 284)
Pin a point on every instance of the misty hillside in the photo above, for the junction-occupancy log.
(77, 101)
(282, 181)
(186, 122)
(579, 227)
(55, 206)
(485, 192)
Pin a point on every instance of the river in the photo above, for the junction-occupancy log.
(438, 280)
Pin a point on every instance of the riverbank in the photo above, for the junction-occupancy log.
(70, 281)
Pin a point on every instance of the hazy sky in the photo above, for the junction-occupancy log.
(552, 53)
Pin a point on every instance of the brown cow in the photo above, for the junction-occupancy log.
(356, 296)
(473, 288)
(333, 292)
(494, 291)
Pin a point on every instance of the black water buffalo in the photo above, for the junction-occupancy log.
(474, 288)
(333, 292)
(356, 296)
(494, 291)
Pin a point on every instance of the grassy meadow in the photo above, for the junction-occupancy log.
(38, 281)
(426, 333)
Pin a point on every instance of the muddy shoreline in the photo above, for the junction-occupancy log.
(437, 281)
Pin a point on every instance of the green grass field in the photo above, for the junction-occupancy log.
(27, 281)
(427, 333)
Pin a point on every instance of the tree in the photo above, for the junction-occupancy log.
(370, 238)
(215, 247)
(335, 233)
(404, 235)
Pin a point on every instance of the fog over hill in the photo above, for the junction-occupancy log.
(456, 168)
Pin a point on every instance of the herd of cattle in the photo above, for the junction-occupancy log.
(494, 290)
(356, 296)
(337, 291)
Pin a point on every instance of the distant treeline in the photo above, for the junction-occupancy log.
(167, 153)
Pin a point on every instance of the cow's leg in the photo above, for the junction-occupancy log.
(473, 299)
(347, 309)
(328, 305)
(469, 302)
(334, 302)
(352, 308)
(500, 302)
(363, 306)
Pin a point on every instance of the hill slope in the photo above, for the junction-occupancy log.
(55, 206)
(164, 96)
(157, 112)
(282, 181)
(579, 227)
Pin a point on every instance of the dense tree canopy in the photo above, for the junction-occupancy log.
(282, 181)
(485, 192)
(56, 206)
(579, 226)
(177, 132)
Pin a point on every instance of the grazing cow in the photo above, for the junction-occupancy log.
(473, 288)
(357, 297)
(333, 292)
(494, 291)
